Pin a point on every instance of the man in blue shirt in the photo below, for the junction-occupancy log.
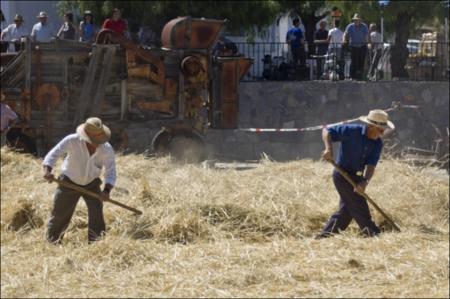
(358, 155)
(357, 34)
(295, 38)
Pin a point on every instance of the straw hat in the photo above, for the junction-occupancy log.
(18, 18)
(99, 133)
(378, 118)
(42, 14)
(88, 12)
(356, 17)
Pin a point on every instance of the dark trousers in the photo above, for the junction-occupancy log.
(351, 206)
(299, 55)
(358, 56)
(320, 61)
(64, 204)
(374, 63)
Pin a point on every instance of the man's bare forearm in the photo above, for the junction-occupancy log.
(368, 174)
(326, 138)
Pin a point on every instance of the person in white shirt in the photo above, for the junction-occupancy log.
(335, 40)
(42, 32)
(87, 153)
(376, 47)
(13, 33)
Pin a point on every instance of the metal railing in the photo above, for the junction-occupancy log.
(427, 61)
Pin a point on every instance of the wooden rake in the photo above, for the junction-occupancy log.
(93, 194)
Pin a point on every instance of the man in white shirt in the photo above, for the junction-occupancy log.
(13, 33)
(376, 47)
(87, 152)
(335, 37)
(43, 31)
(335, 40)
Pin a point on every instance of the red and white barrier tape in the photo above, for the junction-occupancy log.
(395, 106)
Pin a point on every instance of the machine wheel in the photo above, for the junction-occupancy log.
(160, 143)
(188, 148)
(21, 142)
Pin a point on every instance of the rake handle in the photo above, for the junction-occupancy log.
(363, 194)
(93, 194)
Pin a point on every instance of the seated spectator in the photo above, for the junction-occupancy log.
(68, 29)
(116, 23)
(88, 30)
(13, 33)
(42, 31)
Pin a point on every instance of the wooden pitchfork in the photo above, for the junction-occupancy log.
(93, 194)
(363, 194)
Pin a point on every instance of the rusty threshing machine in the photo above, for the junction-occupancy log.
(171, 94)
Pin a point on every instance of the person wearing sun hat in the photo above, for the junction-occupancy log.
(358, 155)
(42, 31)
(357, 35)
(88, 30)
(13, 33)
(87, 154)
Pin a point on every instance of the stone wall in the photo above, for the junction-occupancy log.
(304, 104)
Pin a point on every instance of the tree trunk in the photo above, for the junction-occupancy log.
(400, 53)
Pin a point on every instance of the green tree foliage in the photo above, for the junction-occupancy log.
(401, 20)
(249, 16)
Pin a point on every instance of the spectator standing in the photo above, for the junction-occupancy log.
(4, 45)
(296, 39)
(88, 30)
(357, 35)
(376, 47)
(8, 119)
(42, 31)
(116, 23)
(68, 29)
(335, 40)
(321, 43)
(13, 33)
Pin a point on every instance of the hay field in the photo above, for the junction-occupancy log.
(225, 233)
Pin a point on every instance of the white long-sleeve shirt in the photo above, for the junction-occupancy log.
(79, 166)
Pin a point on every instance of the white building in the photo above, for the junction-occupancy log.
(272, 42)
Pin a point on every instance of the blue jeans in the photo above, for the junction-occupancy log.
(351, 206)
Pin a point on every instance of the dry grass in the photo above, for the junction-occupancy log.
(225, 233)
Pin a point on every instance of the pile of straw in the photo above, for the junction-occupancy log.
(225, 233)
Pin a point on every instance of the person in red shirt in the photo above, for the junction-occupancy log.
(116, 23)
